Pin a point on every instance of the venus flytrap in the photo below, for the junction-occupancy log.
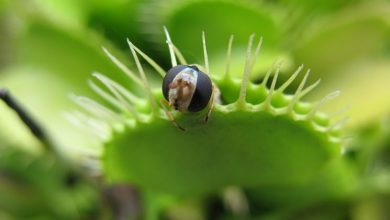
(257, 136)
(281, 152)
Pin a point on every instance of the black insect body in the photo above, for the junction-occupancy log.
(187, 89)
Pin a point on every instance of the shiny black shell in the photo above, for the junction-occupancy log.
(203, 87)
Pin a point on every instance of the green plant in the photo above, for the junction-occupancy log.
(267, 151)
(259, 137)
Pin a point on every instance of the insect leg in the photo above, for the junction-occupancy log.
(165, 106)
(211, 104)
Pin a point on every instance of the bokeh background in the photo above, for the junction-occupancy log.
(49, 48)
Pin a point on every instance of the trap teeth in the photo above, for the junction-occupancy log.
(130, 109)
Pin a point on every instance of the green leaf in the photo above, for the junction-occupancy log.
(218, 19)
(364, 88)
(257, 138)
(240, 148)
(353, 34)
(51, 64)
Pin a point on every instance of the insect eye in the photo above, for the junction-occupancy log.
(169, 77)
(202, 94)
(194, 67)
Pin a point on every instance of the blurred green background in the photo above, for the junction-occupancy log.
(49, 48)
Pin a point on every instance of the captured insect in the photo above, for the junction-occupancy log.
(187, 89)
